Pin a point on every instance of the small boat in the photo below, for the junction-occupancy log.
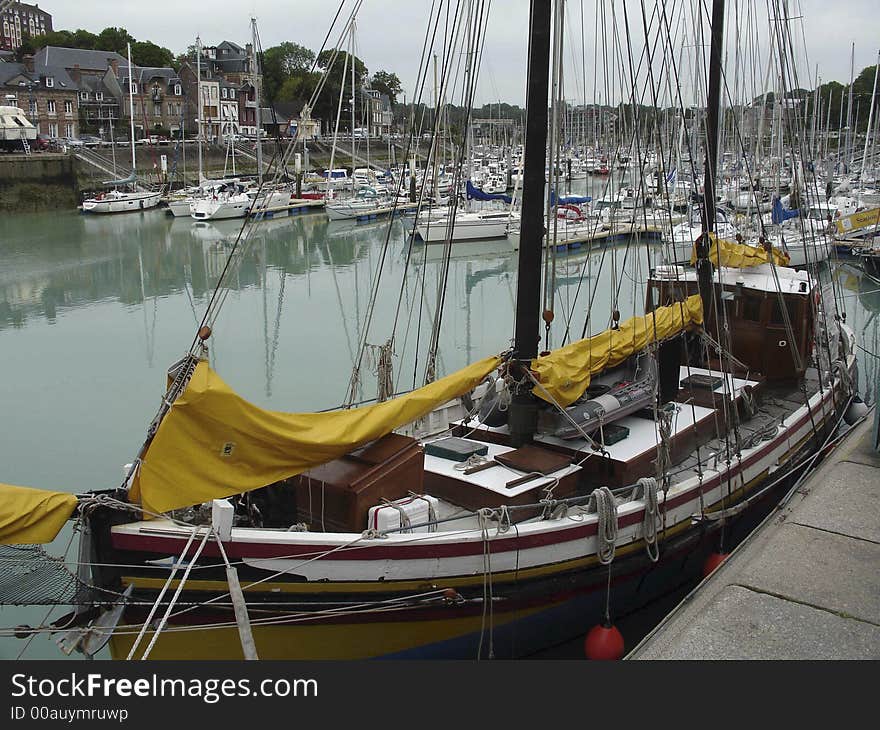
(124, 201)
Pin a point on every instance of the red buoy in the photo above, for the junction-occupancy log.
(712, 562)
(604, 641)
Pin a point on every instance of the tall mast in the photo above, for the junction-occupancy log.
(523, 409)
(257, 99)
(713, 111)
(131, 107)
(200, 108)
(870, 121)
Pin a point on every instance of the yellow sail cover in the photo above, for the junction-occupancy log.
(31, 516)
(213, 443)
(856, 222)
(739, 255)
(565, 373)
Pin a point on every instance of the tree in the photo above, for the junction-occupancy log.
(146, 53)
(282, 63)
(83, 39)
(298, 88)
(334, 85)
(113, 39)
(387, 83)
(182, 58)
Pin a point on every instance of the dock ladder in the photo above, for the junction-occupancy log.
(24, 143)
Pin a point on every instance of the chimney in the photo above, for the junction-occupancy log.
(75, 74)
(28, 61)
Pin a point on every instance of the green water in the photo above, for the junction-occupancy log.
(93, 309)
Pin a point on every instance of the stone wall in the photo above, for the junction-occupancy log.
(38, 182)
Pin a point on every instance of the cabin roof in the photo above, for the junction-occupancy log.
(786, 280)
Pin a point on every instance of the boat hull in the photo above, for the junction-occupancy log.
(125, 203)
(513, 604)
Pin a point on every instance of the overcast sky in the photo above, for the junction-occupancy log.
(391, 32)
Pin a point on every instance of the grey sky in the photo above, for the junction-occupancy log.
(390, 32)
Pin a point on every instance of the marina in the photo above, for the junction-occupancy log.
(522, 393)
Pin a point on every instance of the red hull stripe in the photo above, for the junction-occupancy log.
(374, 550)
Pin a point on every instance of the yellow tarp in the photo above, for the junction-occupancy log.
(857, 221)
(739, 255)
(32, 515)
(213, 443)
(565, 373)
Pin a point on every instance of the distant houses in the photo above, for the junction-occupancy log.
(67, 92)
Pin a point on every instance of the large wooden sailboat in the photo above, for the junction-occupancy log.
(496, 511)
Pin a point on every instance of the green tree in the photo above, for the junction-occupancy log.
(113, 39)
(146, 53)
(82, 39)
(298, 87)
(59, 38)
(282, 63)
(334, 85)
(387, 83)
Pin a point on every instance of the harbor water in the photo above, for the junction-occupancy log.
(94, 309)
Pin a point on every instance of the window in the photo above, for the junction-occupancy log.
(177, 90)
(99, 95)
(50, 106)
(33, 108)
(50, 82)
(68, 107)
(157, 110)
(134, 87)
(53, 129)
(84, 95)
(232, 93)
(224, 93)
(69, 127)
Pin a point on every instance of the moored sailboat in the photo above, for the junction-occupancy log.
(122, 201)
(470, 518)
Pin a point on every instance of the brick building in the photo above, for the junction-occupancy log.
(47, 95)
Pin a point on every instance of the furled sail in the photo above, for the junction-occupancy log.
(213, 443)
(780, 214)
(474, 193)
(565, 373)
(29, 516)
(739, 255)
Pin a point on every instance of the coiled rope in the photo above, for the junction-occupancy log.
(651, 520)
(606, 534)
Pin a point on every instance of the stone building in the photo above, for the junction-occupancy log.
(47, 94)
(20, 20)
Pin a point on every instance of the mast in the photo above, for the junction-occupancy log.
(131, 107)
(523, 408)
(870, 121)
(259, 116)
(713, 110)
(200, 109)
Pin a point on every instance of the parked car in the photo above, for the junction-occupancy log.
(90, 140)
(73, 142)
(42, 142)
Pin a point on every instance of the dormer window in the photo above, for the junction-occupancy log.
(84, 95)
(50, 82)
(224, 93)
(134, 87)
(177, 90)
(99, 95)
